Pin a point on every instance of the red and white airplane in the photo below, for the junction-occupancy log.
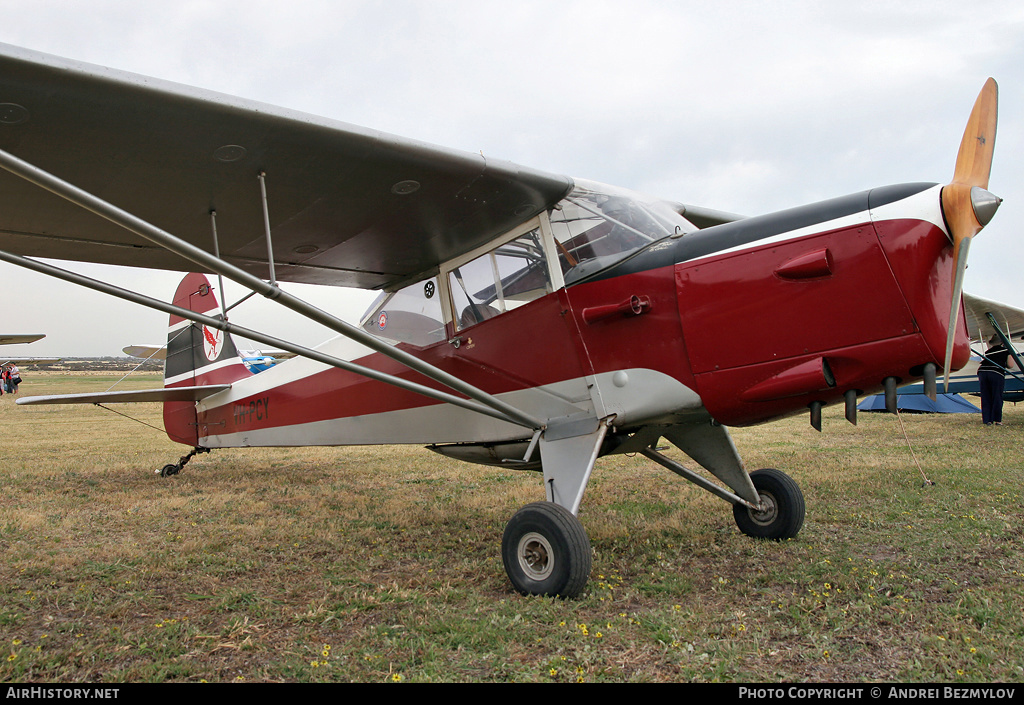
(527, 319)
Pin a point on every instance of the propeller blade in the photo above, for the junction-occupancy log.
(966, 203)
(954, 309)
(974, 160)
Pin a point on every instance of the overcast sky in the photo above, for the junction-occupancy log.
(745, 107)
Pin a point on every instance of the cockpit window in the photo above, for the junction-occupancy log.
(508, 276)
(410, 315)
(596, 226)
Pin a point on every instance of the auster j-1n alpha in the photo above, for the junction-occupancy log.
(526, 319)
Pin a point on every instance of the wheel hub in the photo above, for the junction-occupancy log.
(767, 512)
(536, 557)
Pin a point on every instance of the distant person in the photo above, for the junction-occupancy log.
(992, 381)
(5, 378)
(15, 379)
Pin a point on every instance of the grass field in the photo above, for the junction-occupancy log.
(383, 563)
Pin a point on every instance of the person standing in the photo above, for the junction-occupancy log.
(992, 381)
(15, 378)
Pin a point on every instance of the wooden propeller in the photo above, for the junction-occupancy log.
(966, 202)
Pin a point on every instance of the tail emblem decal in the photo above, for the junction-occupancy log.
(212, 341)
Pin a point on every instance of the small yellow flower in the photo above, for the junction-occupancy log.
(396, 677)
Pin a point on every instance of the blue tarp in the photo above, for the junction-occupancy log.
(944, 404)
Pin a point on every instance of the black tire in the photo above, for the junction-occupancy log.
(783, 515)
(168, 470)
(546, 551)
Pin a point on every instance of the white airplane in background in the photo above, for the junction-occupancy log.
(10, 339)
(16, 339)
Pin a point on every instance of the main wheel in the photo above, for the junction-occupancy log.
(782, 512)
(546, 551)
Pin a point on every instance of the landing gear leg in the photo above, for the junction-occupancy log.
(546, 551)
(174, 469)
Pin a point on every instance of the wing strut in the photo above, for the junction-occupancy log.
(266, 228)
(216, 253)
(150, 232)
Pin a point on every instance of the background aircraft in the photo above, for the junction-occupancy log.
(16, 339)
(11, 339)
(527, 318)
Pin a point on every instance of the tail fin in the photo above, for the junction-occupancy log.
(196, 355)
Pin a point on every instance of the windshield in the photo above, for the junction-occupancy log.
(597, 225)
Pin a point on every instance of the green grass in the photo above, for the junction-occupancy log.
(383, 563)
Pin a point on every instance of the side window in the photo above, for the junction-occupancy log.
(410, 315)
(508, 276)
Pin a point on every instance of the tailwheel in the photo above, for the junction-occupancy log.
(546, 551)
(168, 470)
(174, 468)
(782, 507)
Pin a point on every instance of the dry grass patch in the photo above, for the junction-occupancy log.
(379, 564)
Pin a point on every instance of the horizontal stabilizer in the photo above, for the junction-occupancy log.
(162, 394)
